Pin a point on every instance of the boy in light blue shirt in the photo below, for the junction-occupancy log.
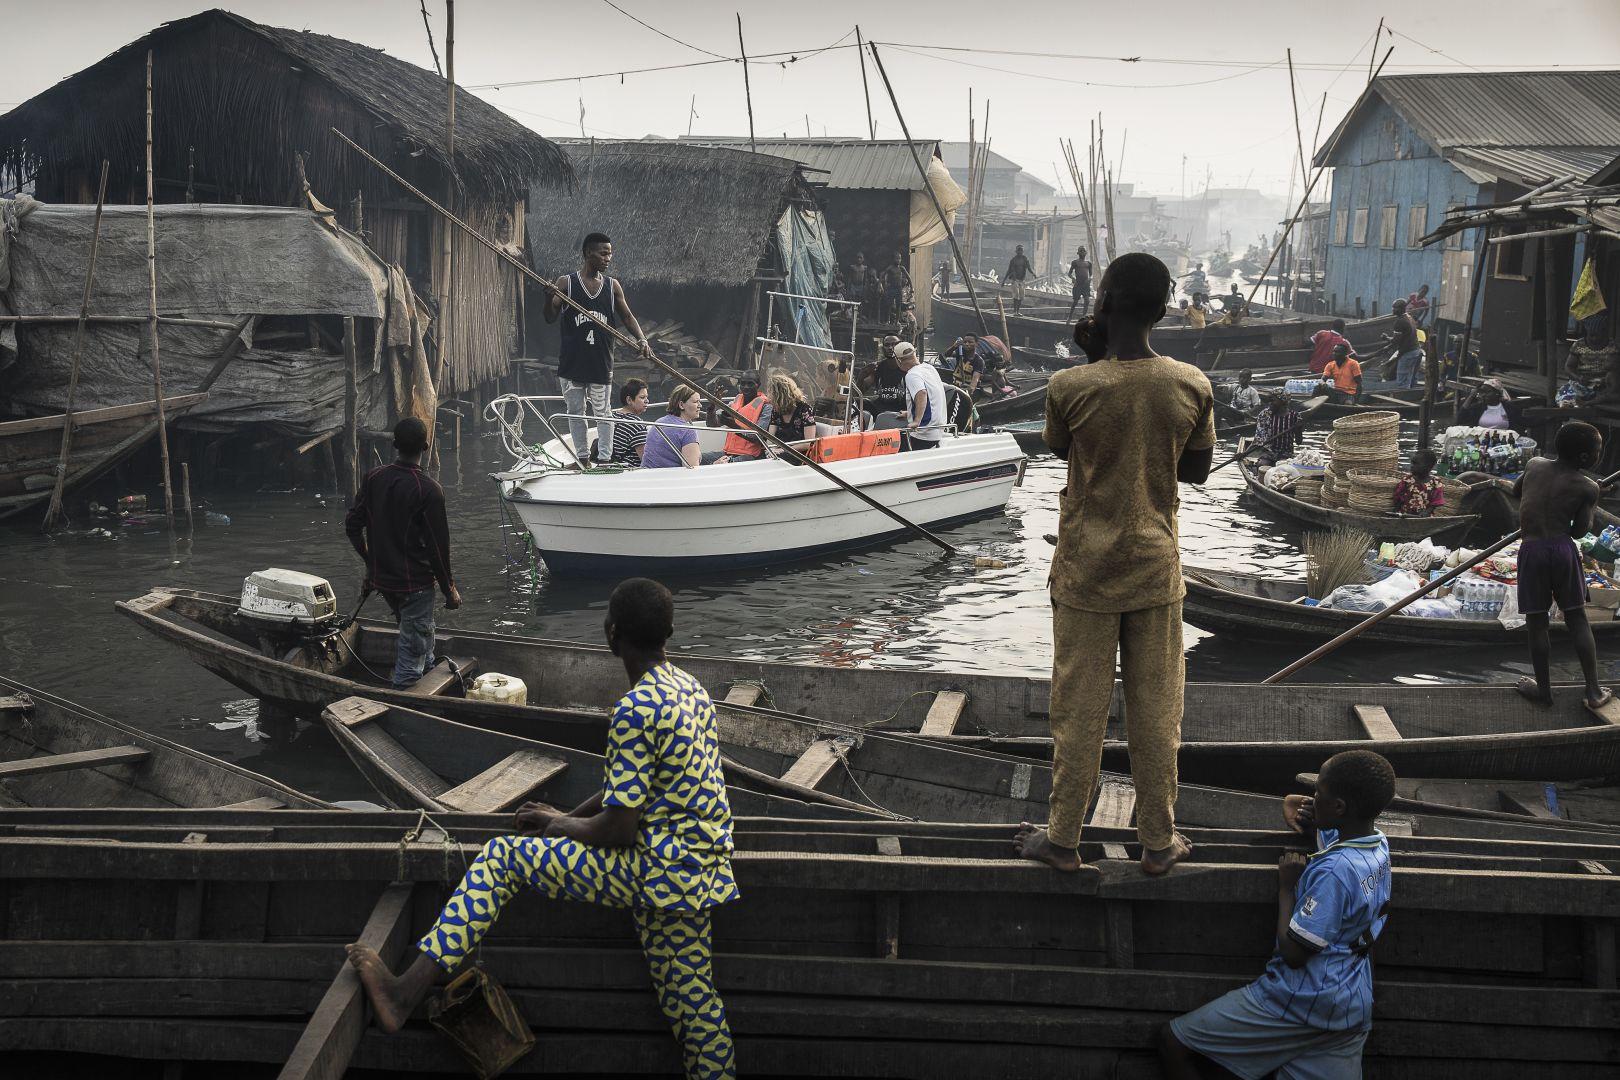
(1307, 1016)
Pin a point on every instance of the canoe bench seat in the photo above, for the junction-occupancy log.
(504, 785)
(1376, 724)
(83, 759)
(439, 678)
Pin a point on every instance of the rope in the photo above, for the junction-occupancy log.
(767, 700)
(896, 714)
(839, 751)
(412, 835)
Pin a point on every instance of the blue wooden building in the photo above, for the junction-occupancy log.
(1414, 145)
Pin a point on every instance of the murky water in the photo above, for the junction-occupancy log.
(897, 606)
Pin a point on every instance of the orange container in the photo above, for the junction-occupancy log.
(836, 448)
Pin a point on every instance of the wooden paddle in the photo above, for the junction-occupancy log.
(787, 451)
(1379, 616)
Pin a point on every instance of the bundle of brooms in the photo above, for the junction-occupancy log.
(1333, 559)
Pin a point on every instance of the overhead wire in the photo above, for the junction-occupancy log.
(1085, 82)
(664, 34)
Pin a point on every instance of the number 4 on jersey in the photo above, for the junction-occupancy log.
(590, 337)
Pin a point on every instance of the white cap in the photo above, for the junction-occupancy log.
(905, 348)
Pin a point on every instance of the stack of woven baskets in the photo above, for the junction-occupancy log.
(1366, 459)
(1454, 491)
(1309, 491)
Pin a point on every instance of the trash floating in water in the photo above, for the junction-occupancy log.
(242, 715)
(215, 518)
(102, 534)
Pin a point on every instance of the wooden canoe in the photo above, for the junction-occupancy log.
(223, 952)
(30, 448)
(1236, 735)
(54, 753)
(1404, 403)
(1448, 530)
(415, 761)
(1254, 607)
(1029, 401)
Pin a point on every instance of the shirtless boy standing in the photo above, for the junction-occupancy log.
(1556, 501)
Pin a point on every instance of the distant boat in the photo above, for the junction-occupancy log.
(30, 448)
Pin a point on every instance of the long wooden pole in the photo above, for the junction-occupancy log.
(860, 47)
(447, 298)
(667, 369)
(152, 309)
(945, 222)
(55, 506)
(1473, 298)
(748, 90)
(1377, 617)
(1305, 200)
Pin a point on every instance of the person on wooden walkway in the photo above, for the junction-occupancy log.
(656, 840)
(1132, 424)
(398, 526)
(1307, 1017)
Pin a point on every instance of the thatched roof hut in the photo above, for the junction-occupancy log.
(693, 227)
(235, 102)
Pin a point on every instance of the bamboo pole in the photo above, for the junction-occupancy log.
(152, 309)
(1304, 201)
(447, 297)
(55, 507)
(163, 320)
(860, 47)
(1473, 299)
(945, 222)
(185, 494)
(1379, 616)
(748, 91)
(351, 398)
(742, 421)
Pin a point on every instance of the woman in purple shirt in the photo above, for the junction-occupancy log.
(672, 442)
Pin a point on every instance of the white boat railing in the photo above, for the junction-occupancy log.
(508, 411)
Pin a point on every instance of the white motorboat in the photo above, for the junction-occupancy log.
(668, 521)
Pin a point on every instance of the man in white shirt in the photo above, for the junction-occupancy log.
(925, 400)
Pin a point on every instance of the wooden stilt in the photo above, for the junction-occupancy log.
(351, 423)
(185, 493)
(152, 310)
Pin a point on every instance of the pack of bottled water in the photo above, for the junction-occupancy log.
(1479, 599)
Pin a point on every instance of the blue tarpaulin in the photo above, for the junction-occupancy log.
(808, 254)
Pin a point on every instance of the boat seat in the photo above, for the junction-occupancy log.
(743, 693)
(504, 785)
(1515, 802)
(16, 703)
(83, 759)
(1375, 722)
(1116, 802)
(944, 713)
(439, 678)
(812, 766)
(264, 802)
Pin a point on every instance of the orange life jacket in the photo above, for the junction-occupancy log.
(747, 446)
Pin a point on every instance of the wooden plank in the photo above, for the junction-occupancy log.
(1608, 712)
(96, 416)
(944, 713)
(1592, 866)
(887, 922)
(814, 764)
(83, 759)
(334, 1032)
(1375, 721)
(744, 694)
(440, 678)
(1118, 926)
(1115, 804)
(16, 703)
(504, 785)
(352, 711)
(265, 802)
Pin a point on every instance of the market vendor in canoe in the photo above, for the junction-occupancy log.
(1341, 379)
(1278, 430)
(1419, 493)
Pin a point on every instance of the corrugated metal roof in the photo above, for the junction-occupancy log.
(1524, 109)
(1530, 166)
(860, 164)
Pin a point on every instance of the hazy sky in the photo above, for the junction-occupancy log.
(1201, 90)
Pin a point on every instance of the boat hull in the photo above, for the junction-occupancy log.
(755, 513)
(1380, 526)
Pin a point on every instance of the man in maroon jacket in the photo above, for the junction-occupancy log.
(398, 526)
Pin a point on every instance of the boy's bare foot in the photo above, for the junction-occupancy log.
(1530, 690)
(1603, 697)
(1033, 843)
(1158, 863)
(382, 988)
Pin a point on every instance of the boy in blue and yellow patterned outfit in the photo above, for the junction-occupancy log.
(656, 840)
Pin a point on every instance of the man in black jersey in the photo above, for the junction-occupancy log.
(585, 356)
